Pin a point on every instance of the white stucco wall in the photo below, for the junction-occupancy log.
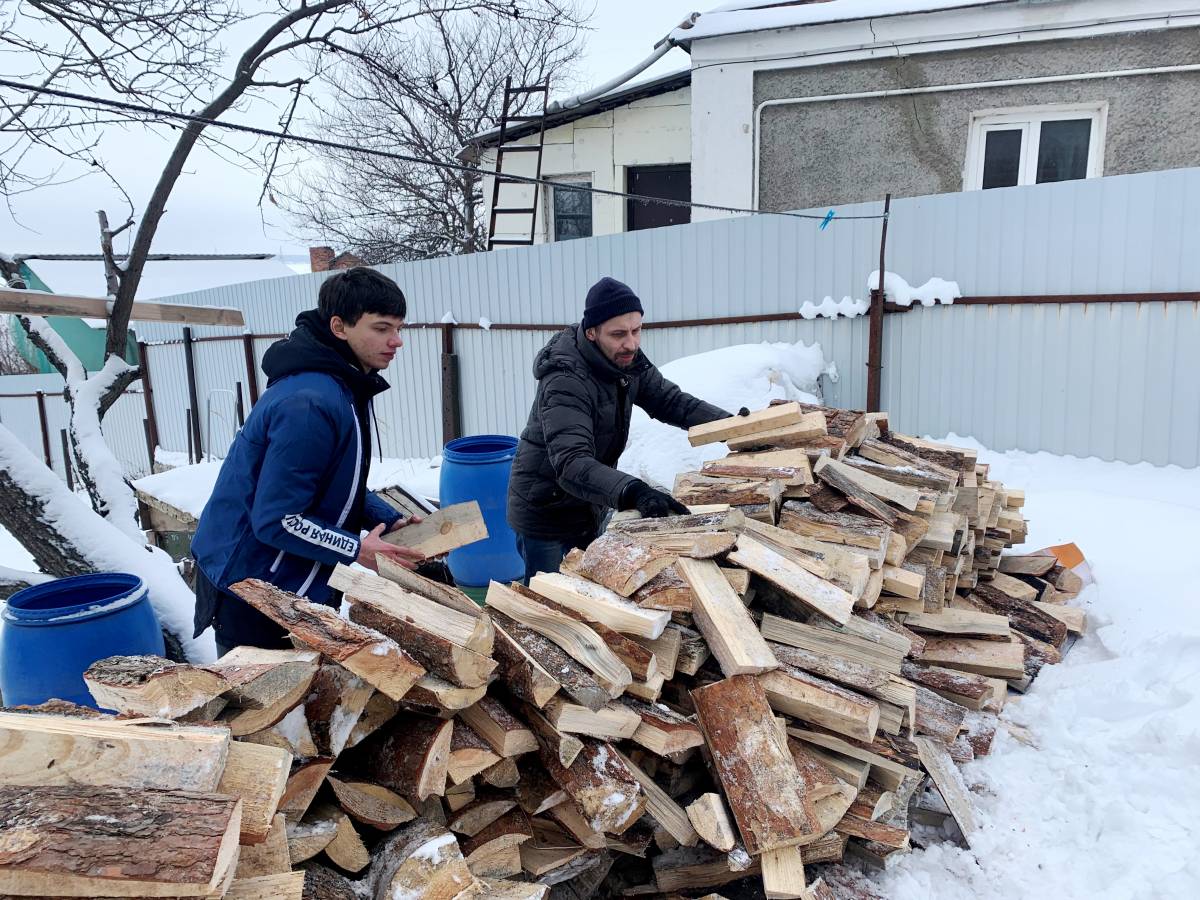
(599, 148)
(723, 114)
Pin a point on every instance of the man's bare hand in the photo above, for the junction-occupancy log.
(404, 523)
(374, 544)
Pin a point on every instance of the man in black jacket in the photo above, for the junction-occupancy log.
(590, 376)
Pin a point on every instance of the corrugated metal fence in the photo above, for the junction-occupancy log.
(1108, 379)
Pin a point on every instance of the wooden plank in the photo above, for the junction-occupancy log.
(752, 762)
(816, 593)
(783, 874)
(40, 303)
(62, 750)
(368, 654)
(903, 582)
(88, 841)
(809, 427)
(736, 426)
(574, 637)
(600, 604)
(950, 785)
(446, 529)
(724, 622)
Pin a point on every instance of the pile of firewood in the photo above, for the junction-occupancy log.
(787, 678)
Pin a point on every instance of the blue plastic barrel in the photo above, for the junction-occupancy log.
(54, 631)
(477, 468)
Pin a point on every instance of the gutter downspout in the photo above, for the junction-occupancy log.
(660, 50)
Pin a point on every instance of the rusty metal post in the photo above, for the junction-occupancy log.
(150, 443)
(875, 334)
(241, 406)
(251, 366)
(42, 418)
(189, 362)
(66, 453)
(451, 388)
(148, 397)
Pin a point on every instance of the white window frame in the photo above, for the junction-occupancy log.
(575, 178)
(1030, 119)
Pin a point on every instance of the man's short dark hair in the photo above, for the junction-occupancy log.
(360, 290)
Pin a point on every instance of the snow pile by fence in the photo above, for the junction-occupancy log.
(732, 377)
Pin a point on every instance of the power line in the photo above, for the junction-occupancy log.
(142, 109)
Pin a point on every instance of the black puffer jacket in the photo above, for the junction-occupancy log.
(563, 477)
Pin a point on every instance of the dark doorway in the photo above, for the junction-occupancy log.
(668, 182)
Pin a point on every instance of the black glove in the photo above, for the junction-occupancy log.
(744, 411)
(651, 503)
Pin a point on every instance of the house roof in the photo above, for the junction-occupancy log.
(762, 15)
(663, 84)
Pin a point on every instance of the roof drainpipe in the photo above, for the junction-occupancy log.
(660, 50)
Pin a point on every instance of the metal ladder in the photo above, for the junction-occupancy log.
(506, 116)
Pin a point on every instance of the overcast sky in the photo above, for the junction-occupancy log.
(214, 205)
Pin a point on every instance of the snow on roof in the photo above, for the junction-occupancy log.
(159, 279)
(761, 15)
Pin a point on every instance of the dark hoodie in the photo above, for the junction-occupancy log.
(564, 476)
(291, 497)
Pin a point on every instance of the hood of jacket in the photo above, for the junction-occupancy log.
(312, 347)
(570, 350)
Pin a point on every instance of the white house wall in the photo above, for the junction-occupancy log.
(651, 131)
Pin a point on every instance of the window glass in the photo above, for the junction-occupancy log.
(572, 212)
(1063, 150)
(1002, 158)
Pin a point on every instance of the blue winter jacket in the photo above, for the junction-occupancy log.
(291, 499)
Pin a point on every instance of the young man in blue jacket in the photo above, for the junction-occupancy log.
(291, 498)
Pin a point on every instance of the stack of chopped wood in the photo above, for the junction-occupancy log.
(788, 677)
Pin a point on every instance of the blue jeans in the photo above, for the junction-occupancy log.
(541, 554)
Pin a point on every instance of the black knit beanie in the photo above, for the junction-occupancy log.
(607, 299)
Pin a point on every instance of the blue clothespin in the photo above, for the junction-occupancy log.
(828, 218)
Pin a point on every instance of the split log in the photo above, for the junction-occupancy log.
(821, 702)
(269, 857)
(410, 756)
(459, 795)
(307, 839)
(573, 636)
(536, 791)
(291, 733)
(1072, 616)
(1014, 587)
(777, 567)
(614, 722)
(503, 774)
(281, 886)
(783, 874)
(799, 434)
(1027, 565)
(660, 807)
(963, 688)
(564, 747)
(499, 728)
(48, 750)
(661, 730)
(857, 641)
(722, 619)
(87, 841)
(257, 776)
(857, 496)
(272, 681)
(861, 533)
(335, 702)
(473, 819)
(868, 753)
(378, 711)
(665, 591)
(710, 819)
(151, 686)
(693, 650)
(346, 850)
(1023, 615)
(372, 804)
(494, 852)
(444, 530)
(569, 817)
(597, 603)
(422, 861)
(950, 785)
(820, 779)
(693, 523)
(938, 717)
(367, 653)
(302, 786)
(551, 849)
(866, 482)
(666, 649)
(753, 764)
(694, 546)
(444, 594)
(860, 676)
(621, 563)
(868, 830)
(600, 784)
(575, 680)
(960, 622)
(994, 658)
(768, 419)
(693, 489)
(525, 676)
(441, 695)
(848, 569)
(469, 754)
